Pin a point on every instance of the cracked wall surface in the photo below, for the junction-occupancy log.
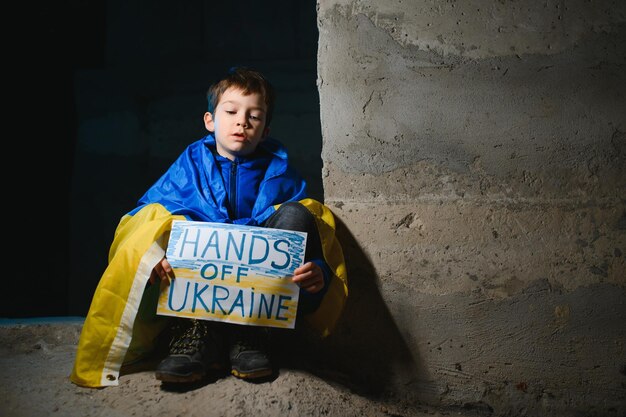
(476, 153)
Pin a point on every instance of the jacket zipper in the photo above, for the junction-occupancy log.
(233, 189)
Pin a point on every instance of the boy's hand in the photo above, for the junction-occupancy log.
(162, 271)
(309, 277)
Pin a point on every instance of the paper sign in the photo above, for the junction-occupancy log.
(232, 273)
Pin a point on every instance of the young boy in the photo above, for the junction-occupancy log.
(235, 174)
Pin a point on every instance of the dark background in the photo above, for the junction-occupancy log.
(105, 95)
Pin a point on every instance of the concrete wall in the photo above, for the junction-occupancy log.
(475, 156)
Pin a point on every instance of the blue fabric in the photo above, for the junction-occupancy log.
(249, 171)
(194, 186)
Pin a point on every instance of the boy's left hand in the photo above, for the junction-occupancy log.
(309, 277)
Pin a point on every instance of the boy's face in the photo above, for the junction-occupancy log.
(238, 123)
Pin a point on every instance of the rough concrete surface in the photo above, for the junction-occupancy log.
(37, 357)
(475, 155)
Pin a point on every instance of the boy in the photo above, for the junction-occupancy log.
(235, 174)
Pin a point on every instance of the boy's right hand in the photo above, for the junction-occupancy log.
(161, 270)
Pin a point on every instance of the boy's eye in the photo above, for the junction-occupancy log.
(254, 117)
(230, 111)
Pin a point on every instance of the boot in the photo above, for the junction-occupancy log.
(249, 352)
(195, 349)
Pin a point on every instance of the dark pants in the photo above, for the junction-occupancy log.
(294, 216)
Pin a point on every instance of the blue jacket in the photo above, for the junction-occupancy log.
(197, 187)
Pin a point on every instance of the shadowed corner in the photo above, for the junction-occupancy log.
(366, 352)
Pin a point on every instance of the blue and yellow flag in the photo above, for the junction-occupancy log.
(121, 325)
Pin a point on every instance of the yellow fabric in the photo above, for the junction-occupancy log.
(108, 328)
(121, 324)
(325, 318)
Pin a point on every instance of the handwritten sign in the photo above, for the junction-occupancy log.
(232, 273)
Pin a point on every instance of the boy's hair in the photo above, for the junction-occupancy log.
(249, 81)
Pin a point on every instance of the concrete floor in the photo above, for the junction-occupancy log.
(37, 356)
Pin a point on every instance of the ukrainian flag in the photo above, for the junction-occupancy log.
(121, 325)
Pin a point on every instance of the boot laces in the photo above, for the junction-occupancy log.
(191, 340)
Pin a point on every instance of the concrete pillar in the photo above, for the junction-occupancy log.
(474, 154)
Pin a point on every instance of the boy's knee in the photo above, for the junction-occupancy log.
(291, 216)
(292, 208)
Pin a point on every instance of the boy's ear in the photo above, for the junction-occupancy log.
(266, 132)
(209, 123)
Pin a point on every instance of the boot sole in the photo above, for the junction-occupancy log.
(166, 377)
(252, 374)
(183, 378)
